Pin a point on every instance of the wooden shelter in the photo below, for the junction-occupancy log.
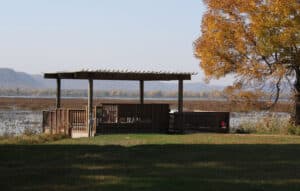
(117, 75)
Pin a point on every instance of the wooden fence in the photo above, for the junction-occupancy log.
(65, 121)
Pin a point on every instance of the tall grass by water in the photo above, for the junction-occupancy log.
(269, 124)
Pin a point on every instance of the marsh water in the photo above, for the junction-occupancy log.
(17, 122)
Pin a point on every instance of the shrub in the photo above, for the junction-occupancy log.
(293, 129)
(31, 139)
(6, 135)
(30, 131)
(246, 128)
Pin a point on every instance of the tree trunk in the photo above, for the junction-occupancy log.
(297, 99)
(297, 108)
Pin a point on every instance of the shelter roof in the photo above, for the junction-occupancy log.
(121, 75)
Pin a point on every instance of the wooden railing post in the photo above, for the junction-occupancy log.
(51, 124)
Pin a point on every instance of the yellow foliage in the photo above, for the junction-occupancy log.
(256, 40)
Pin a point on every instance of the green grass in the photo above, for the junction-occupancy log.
(154, 162)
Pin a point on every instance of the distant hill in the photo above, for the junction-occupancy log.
(12, 79)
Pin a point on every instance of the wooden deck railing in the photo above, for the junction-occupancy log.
(78, 120)
(65, 121)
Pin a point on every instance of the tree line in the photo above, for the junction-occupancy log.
(213, 94)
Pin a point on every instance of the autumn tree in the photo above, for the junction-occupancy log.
(257, 41)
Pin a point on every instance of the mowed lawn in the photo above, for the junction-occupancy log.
(154, 162)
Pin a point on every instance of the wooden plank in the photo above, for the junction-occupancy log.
(68, 123)
(150, 76)
(51, 75)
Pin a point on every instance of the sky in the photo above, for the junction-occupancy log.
(39, 36)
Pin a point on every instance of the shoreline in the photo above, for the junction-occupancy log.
(29, 103)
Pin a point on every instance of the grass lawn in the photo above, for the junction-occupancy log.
(154, 162)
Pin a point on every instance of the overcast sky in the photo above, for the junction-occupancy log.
(38, 36)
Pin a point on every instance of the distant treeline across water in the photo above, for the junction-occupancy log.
(118, 98)
(117, 94)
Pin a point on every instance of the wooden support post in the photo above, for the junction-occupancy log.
(180, 96)
(90, 108)
(180, 106)
(58, 93)
(141, 91)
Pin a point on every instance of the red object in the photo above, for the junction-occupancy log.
(223, 124)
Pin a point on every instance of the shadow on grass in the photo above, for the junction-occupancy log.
(150, 167)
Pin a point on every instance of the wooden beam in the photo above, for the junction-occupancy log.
(141, 91)
(90, 107)
(58, 93)
(51, 75)
(180, 96)
(119, 76)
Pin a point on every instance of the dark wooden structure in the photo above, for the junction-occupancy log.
(116, 75)
(133, 118)
(201, 122)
